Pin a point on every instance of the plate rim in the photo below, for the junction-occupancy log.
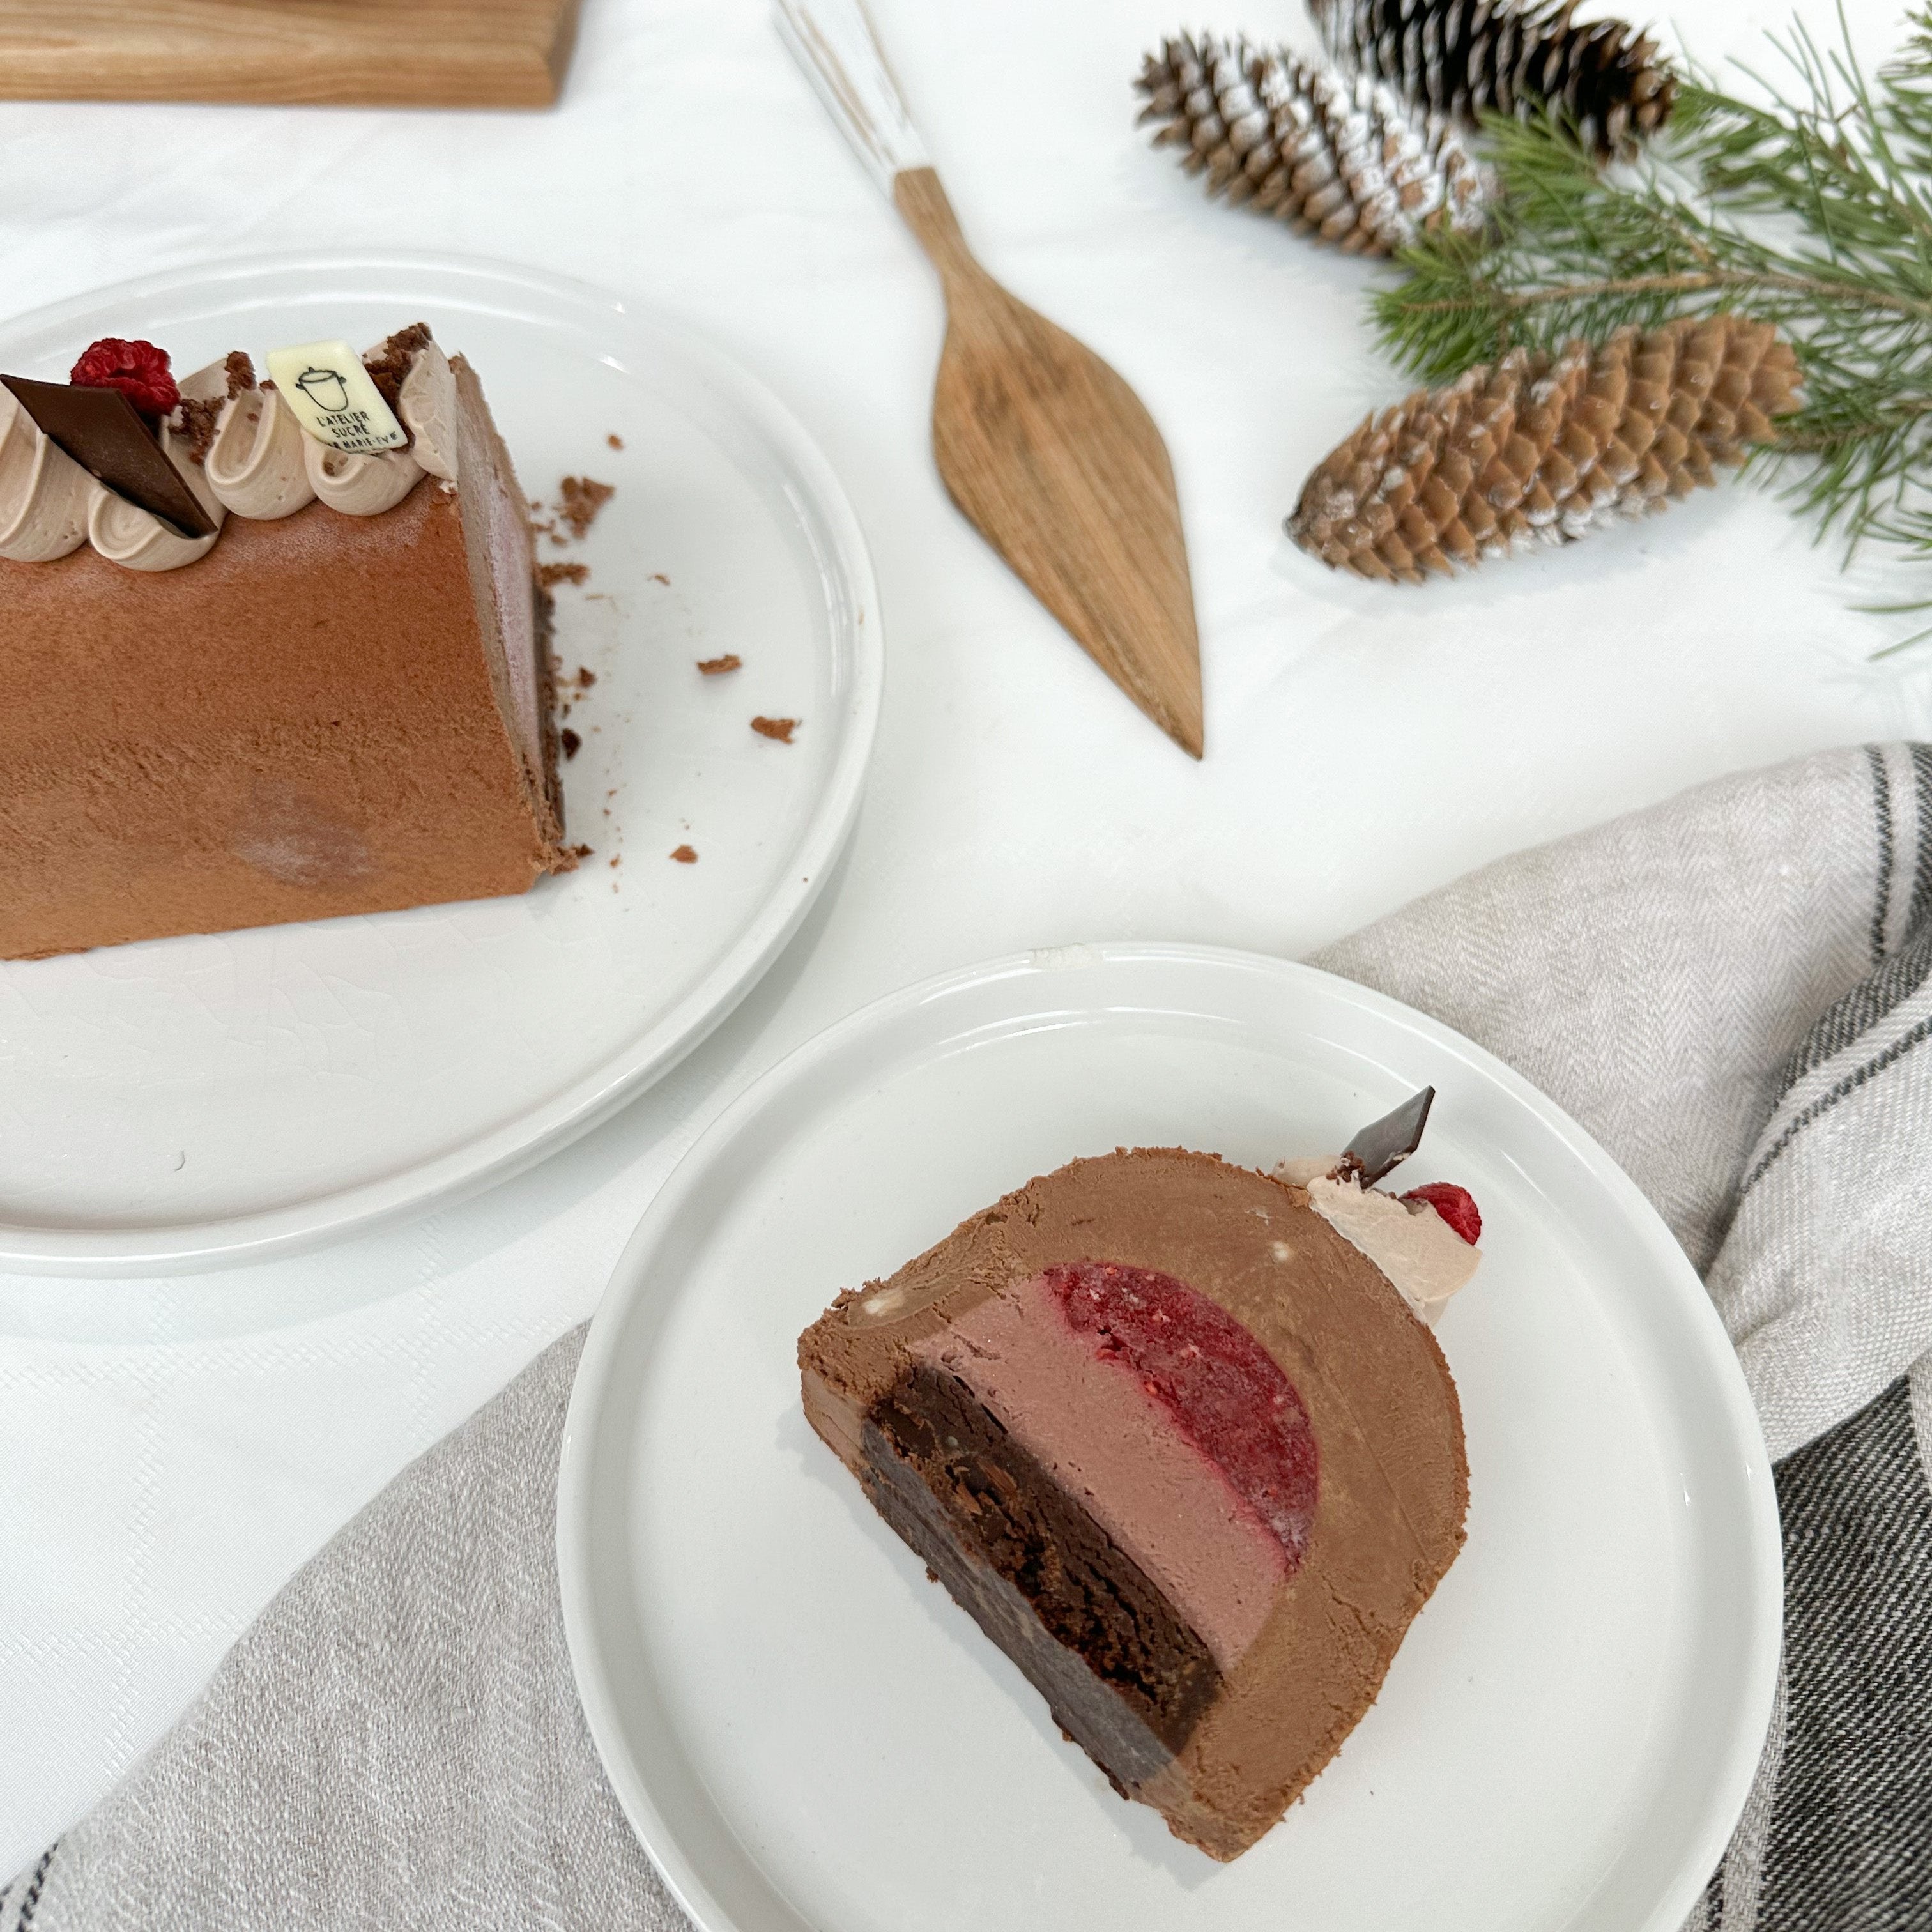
(484, 1161)
(592, 1384)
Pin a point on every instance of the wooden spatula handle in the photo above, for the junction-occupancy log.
(833, 41)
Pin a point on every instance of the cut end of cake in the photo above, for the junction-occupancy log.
(1179, 1446)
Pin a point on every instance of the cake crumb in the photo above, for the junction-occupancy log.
(580, 851)
(389, 362)
(579, 499)
(718, 666)
(686, 856)
(659, 577)
(616, 859)
(616, 441)
(195, 420)
(239, 372)
(548, 574)
(586, 677)
(572, 743)
(780, 728)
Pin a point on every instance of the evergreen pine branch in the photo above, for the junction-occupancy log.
(1812, 210)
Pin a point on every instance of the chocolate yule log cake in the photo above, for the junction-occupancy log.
(1177, 1436)
(273, 650)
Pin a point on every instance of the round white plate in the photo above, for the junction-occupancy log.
(185, 1102)
(807, 1733)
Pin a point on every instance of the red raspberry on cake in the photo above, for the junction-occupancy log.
(1457, 1205)
(137, 369)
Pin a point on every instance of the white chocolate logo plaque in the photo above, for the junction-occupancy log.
(330, 393)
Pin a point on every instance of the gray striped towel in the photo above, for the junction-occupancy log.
(1728, 990)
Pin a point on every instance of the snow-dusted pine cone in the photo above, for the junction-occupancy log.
(1336, 155)
(1544, 448)
(1465, 57)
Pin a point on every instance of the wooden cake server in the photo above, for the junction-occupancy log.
(1041, 444)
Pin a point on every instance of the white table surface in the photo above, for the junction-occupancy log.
(1363, 744)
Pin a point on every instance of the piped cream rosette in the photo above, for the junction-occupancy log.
(261, 465)
(43, 492)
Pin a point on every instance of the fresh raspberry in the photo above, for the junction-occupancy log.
(138, 370)
(1457, 1205)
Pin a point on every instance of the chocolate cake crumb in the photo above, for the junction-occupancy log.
(579, 498)
(388, 364)
(615, 441)
(572, 744)
(548, 574)
(659, 577)
(580, 851)
(241, 372)
(780, 728)
(718, 666)
(685, 856)
(616, 859)
(586, 677)
(195, 420)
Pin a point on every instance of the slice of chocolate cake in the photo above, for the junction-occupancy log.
(1178, 1437)
(273, 651)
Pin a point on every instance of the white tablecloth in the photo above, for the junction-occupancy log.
(169, 1450)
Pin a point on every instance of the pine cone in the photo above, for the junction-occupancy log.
(1543, 448)
(1339, 157)
(1462, 58)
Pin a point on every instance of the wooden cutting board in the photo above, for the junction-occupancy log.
(364, 53)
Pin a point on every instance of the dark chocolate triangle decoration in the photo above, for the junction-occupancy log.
(103, 432)
(1385, 1144)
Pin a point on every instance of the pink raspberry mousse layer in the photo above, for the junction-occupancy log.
(1174, 1427)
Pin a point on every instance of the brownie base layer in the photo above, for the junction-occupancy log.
(1148, 1677)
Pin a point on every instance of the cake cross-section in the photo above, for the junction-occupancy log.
(1177, 1436)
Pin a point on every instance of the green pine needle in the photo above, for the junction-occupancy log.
(1813, 212)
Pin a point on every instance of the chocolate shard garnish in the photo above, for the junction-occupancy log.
(1386, 1143)
(104, 433)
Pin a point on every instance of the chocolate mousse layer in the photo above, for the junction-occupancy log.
(1355, 1554)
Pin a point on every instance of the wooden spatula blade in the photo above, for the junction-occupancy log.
(1059, 464)
(1055, 458)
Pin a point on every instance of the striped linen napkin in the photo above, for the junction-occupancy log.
(1728, 990)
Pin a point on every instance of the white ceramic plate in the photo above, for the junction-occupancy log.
(190, 1101)
(807, 1733)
